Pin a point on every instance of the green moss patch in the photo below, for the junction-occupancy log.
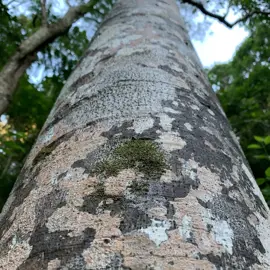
(141, 155)
(139, 188)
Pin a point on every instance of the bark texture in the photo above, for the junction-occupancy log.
(136, 166)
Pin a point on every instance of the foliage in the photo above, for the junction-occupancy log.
(262, 152)
(243, 89)
(10, 34)
(199, 15)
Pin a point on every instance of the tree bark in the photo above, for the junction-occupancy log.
(136, 166)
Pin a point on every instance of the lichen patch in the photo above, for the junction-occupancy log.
(157, 232)
(195, 107)
(185, 230)
(171, 141)
(54, 264)
(188, 126)
(166, 121)
(223, 234)
(143, 123)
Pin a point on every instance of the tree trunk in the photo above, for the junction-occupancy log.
(136, 166)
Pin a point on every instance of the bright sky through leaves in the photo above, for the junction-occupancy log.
(219, 46)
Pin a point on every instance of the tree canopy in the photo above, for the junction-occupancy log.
(244, 91)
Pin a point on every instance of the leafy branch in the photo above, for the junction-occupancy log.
(222, 18)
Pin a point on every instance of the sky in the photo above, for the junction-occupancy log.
(220, 45)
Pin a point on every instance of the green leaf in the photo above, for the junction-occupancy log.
(267, 172)
(261, 157)
(260, 181)
(267, 140)
(259, 139)
(266, 192)
(254, 146)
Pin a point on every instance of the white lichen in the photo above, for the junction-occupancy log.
(185, 228)
(170, 110)
(189, 169)
(166, 122)
(157, 231)
(188, 126)
(195, 107)
(211, 112)
(223, 234)
(46, 136)
(171, 141)
(142, 124)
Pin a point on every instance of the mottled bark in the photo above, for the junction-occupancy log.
(25, 55)
(136, 166)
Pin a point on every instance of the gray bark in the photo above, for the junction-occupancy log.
(26, 53)
(136, 166)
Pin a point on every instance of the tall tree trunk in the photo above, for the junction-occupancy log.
(136, 166)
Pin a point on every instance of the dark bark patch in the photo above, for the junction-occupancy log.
(48, 204)
(20, 192)
(90, 204)
(49, 246)
(47, 150)
(85, 79)
(115, 263)
(245, 183)
(174, 59)
(191, 239)
(61, 175)
(170, 210)
(134, 219)
(209, 227)
(65, 110)
(124, 129)
(171, 71)
(221, 262)
(172, 190)
(95, 157)
(245, 241)
(92, 201)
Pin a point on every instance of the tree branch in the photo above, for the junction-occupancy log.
(26, 53)
(43, 12)
(249, 15)
(222, 19)
(10, 2)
